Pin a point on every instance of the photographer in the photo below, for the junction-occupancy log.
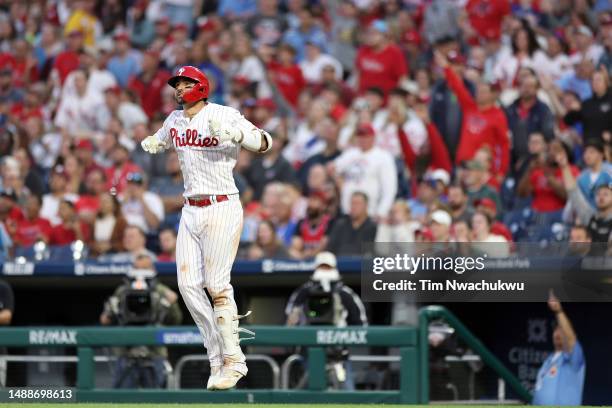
(141, 300)
(543, 182)
(325, 300)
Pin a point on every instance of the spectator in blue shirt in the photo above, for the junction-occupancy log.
(308, 31)
(596, 173)
(578, 81)
(125, 63)
(561, 377)
(237, 8)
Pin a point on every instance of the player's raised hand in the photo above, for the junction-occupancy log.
(224, 131)
(152, 145)
(553, 302)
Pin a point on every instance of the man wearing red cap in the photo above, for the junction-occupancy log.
(207, 138)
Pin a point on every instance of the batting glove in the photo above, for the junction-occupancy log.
(152, 145)
(225, 132)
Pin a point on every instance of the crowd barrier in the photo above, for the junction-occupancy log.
(411, 342)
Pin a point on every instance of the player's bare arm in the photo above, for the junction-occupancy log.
(569, 335)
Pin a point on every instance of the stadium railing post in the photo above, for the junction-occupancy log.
(423, 360)
(85, 368)
(317, 376)
(409, 375)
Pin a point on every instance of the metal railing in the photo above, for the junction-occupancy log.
(17, 358)
(178, 369)
(294, 358)
(412, 343)
(429, 313)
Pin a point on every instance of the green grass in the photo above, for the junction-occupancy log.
(98, 405)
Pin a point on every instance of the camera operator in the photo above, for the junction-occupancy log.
(325, 300)
(141, 300)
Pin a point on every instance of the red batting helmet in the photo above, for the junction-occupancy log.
(201, 88)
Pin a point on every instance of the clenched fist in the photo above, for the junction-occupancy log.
(225, 132)
(152, 145)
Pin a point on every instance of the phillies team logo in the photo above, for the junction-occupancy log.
(191, 138)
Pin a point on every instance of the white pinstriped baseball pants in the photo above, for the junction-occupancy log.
(206, 247)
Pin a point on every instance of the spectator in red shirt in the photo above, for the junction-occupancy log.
(167, 243)
(435, 152)
(71, 228)
(32, 227)
(30, 107)
(88, 203)
(309, 238)
(379, 62)
(116, 175)
(543, 179)
(486, 17)
(84, 152)
(150, 83)
(25, 70)
(287, 75)
(483, 123)
(69, 59)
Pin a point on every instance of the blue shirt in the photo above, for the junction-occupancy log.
(588, 186)
(570, 82)
(237, 8)
(561, 379)
(298, 39)
(124, 68)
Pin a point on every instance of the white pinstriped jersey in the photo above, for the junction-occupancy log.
(206, 164)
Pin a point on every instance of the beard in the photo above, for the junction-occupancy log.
(455, 205)
(313, 212)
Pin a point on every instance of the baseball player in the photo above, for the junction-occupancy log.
(207, 138)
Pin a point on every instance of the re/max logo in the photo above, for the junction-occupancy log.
(342, 337)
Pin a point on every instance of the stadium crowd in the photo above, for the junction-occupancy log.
(414, 120)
